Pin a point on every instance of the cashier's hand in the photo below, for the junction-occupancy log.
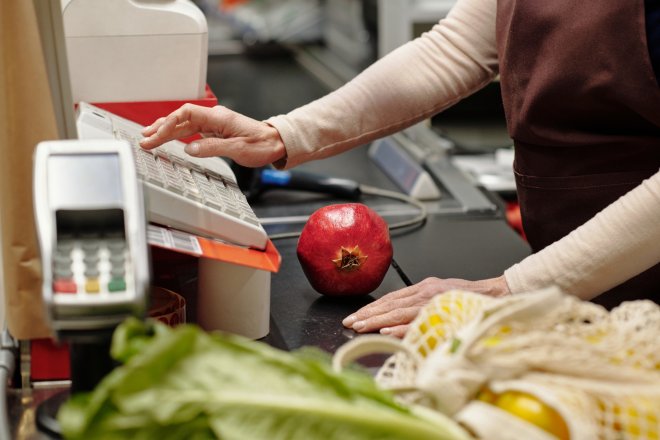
(393, 313)
(246, 141)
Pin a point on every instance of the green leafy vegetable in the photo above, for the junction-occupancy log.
(188, 384)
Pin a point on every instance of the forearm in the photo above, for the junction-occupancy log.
(412, 83)
(617, 244)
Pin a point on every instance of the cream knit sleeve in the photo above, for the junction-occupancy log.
(617, 244)
(456, 58)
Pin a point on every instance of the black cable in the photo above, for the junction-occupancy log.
(401, 273)
(419, 219)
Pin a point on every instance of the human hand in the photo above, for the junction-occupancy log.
(393, 313)
(246, 141)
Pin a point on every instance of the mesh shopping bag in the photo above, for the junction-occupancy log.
(539, 365)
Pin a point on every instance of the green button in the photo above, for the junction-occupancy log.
(117, 285)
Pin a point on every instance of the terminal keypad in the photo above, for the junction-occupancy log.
(90, 265)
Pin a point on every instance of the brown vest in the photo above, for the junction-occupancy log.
(583, 108)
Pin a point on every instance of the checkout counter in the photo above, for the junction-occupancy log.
(452, 243)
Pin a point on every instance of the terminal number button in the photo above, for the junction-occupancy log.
(117, 285)
(65, 286)
(92, 285)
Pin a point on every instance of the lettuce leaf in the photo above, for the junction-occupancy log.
(185, 383)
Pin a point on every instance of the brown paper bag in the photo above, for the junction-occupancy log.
(26, 118)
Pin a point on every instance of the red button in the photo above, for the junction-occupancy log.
(65, 286)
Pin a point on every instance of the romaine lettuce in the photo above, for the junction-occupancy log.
(185, 383)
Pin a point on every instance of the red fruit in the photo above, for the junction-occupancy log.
(345, 250)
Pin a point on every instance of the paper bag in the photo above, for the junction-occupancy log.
(26, 118)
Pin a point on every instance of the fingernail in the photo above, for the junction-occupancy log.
(192, 149)
(349, 320)
(385, 331)
(359, 325)
(145, 129)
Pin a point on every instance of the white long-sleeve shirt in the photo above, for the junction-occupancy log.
(423, 77)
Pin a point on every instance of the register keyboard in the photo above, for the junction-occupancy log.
(196, 195)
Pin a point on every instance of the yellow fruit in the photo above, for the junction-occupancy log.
(529, 409)
(443, 316)
(487, 395)
(431, 329)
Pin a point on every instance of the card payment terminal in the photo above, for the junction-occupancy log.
(91, 228)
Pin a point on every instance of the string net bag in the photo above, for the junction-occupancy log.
(541, 365)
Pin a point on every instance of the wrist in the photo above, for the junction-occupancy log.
(278, 154)
(499, 287)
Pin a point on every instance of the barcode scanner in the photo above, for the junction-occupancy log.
(255, 181)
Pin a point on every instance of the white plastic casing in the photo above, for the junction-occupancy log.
(91, 311)
(135, 50)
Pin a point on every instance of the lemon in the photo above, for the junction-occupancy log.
(530, 409)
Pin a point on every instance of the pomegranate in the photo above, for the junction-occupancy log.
(345, 249)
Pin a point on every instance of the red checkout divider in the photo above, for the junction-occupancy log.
(49, 360)
(514, 219)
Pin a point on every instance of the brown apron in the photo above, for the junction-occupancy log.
(583, 108)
